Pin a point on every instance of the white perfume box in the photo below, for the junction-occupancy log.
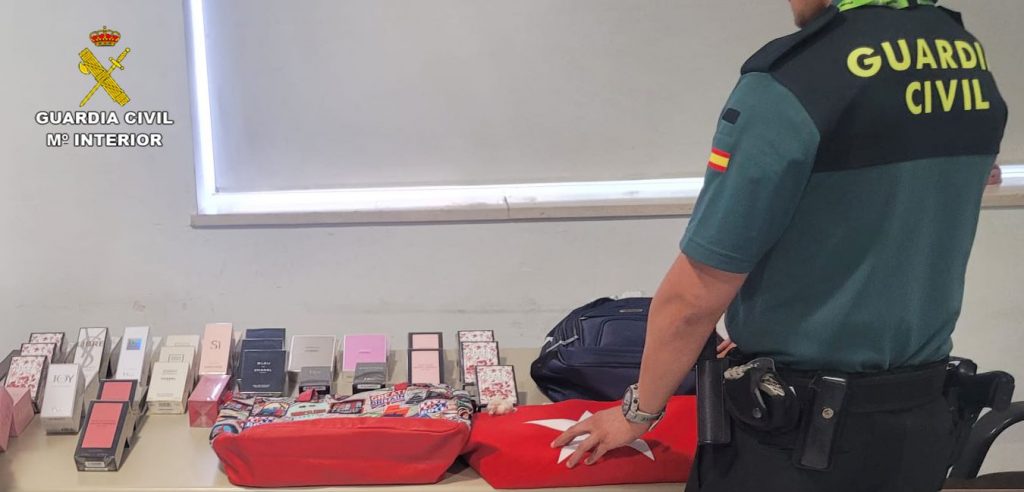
(133, 362)
(186, 354)
(182, 341)
(62, 401)
(312, 351)
(168, 389)
(92, 353)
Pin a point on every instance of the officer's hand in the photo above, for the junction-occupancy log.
(725, 347)
(607, 429)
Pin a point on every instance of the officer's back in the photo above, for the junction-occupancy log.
(861, 265)
(846, 182)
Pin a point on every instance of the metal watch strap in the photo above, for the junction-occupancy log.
(634, 414)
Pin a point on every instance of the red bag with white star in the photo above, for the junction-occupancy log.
(514, 451)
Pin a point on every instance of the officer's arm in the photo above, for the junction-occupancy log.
(688, 304)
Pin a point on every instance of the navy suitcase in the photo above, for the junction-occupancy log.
(594, 353)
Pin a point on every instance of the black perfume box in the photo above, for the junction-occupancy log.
(263, 372)
(316, 378)
(370, 376)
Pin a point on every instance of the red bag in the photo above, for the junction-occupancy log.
(514, 451)
(402, 435)
(357, 451)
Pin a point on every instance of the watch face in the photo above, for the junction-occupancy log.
(627, 401)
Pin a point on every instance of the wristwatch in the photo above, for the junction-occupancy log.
(631, 409)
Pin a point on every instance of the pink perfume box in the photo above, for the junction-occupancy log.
(209, 395)
(6, 416)
(22, 410)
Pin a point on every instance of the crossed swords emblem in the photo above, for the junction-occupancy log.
(90, 65)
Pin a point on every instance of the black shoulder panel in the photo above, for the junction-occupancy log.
(765, 58)
(955, 15)
(866, 121)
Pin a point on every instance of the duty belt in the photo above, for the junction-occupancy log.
(883, 392)
(773, 399)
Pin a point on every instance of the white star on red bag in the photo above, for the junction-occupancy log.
(563, 425)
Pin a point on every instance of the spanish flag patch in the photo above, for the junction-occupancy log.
(719, 160)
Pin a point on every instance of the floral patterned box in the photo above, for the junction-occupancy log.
(28, 372)
(476, 336)
(477, 354)
(49, 350)
(496, 383)
(49, 337)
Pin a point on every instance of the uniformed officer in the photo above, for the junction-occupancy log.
(835, 224)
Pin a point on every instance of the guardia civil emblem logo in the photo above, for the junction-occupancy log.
(101, 75)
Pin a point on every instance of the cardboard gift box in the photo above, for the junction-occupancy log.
(22, 411)
(168, 391)
(62, 402)
(204, 404)
(215, 354)
(6, 416)
(133, 362)
(92, 352)
(29, 372)
(103, 441)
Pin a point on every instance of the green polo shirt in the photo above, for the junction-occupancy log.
(848, 184)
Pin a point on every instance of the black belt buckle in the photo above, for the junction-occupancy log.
(822, 422)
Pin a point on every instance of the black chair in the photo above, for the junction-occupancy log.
(993, 390)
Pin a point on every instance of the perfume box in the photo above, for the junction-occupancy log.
(215, 355)
(317, 378)
(168, 388)
(6, 417)
(92, 353)
(204, 404)
(184, 354)
(476, 336)
(133, 362)
(364, 348)
(62, 402)
(23, 413)
(426, 340)
(54, 337)
(370, 376)
(496, 383)
(426, 366)
(48, 350)
(476, 354)
(275, 333)
(312, 351)
(29, 372)
(128, 391)
(261, 344)
(182, 341)
(262, 372)
(102, 443)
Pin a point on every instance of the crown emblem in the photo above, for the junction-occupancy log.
(104, 37)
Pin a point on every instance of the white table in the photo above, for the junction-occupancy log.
(170, 456)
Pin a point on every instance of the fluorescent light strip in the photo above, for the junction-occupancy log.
(453, 197)
(206, 186)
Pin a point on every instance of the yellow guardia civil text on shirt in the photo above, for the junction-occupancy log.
(928, 96)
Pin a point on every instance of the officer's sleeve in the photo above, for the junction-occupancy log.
(762, 156)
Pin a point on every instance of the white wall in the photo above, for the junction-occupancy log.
(101, 236)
